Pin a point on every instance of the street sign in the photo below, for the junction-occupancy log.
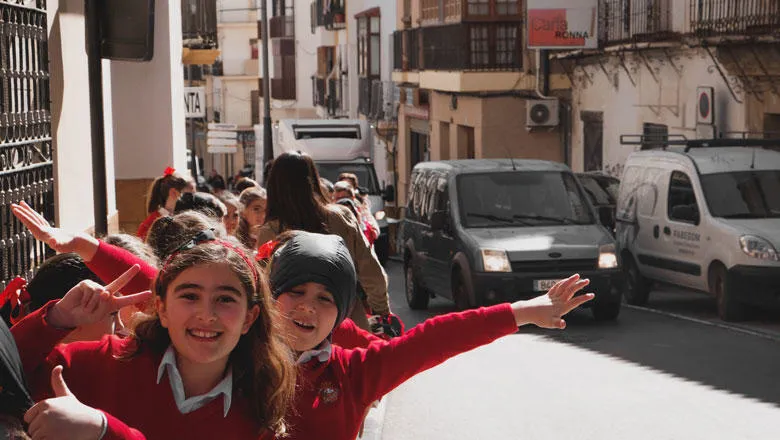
(562, 24)
(223, 134)
(195, 102)
(220, 141)
(222, 127)
(225, 149)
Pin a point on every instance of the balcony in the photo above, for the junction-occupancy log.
(375, 97)
(199, 23)
(330, 14)
(455, 11)
(730, 17)
(629, 21)
(406, 55)
(472, 46)
(319, 97)
(282, 26)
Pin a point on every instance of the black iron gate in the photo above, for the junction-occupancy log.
(26, 171)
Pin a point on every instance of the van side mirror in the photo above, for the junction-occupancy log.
(438, 220)
(686, 213)
(389, 193)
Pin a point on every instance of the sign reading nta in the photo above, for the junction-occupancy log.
(562, 24)
(195, 102)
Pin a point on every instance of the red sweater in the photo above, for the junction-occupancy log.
(333, 396)
(126, 390)
(143, 228)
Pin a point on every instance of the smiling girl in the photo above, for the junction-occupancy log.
(206, 365)
(313, 279)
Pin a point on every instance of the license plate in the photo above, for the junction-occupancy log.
(544, 285)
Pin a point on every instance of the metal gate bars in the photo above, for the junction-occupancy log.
(26, 171)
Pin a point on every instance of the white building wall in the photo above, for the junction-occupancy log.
(235, 49)
(237, 94)
(670, 101)
(70, 118)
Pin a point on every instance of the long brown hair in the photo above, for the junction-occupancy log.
(168, 233)
(158, 192)
(263, 366)
(247, 197)
(295, 197)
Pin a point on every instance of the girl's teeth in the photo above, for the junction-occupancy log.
(203, 334)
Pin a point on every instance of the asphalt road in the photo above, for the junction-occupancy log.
(671, 371)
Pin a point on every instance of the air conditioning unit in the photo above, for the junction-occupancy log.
(542, 113)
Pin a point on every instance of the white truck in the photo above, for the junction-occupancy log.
(340, 146)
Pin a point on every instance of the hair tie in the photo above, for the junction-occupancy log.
(209, 236)
(169, 171)
(16, 294)
(264, 252)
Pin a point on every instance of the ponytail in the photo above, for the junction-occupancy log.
(158, 193)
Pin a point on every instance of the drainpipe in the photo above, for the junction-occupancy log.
(95, 68)
(542, 74)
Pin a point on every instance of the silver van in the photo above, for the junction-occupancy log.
(705, 218)
(485, 231)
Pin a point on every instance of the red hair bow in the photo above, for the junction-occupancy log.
(265, 251)
(168, 171)
(16, 294)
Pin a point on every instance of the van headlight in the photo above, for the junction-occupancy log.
(758, 247)
(379, 215)
(494, 260)
(607, 257)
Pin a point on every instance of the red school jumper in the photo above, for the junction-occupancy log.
(126, 390)
(332, 397)
(143, 228)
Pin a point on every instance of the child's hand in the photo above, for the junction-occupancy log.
(58, 239)
(546, 310)
(63, 416)
(89, 302)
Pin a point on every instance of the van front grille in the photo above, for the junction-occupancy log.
(555, 265)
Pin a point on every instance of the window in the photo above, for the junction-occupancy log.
(479, 7)
(682, 205)
(253, 47)
(480, 45)
(494, 9)
(429, 10)
(369, 44)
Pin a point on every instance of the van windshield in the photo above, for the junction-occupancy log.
(539, 198)
(364, 172)
(743, 194)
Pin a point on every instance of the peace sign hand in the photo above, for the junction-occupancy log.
(89, 302)
(547, 310)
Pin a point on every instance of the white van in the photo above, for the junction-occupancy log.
(705, 218)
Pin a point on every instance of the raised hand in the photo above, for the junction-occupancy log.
(547, 310)
(58, 239)
(63, 416)
(89, 302)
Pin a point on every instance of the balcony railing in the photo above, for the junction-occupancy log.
(364, 95)
(330, 14)
(472, 46)
(625, 21)
(335, 100)
(406, 49)
(376, 98)
(199, 23)
(319, 97)
(282, 26)
(735, 17)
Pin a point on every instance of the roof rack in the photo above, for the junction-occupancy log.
(664, 141)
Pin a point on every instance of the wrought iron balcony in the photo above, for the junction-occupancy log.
(199, 23)
(625, 21)
(376, 98)
(319, 97)
(730, 17)
(330, 14)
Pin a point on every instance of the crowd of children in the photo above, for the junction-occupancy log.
(230, 316)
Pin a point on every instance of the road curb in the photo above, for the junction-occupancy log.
(375, 420)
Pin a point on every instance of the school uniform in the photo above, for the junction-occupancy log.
(140, 397)
(333, 395)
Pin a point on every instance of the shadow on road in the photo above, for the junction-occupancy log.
(712, 356)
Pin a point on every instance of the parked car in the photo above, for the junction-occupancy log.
(482, 232)
(602, 191)
(706, 219)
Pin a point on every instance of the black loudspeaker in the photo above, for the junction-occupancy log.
(126, 29)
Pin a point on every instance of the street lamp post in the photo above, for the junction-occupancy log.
(268, 150)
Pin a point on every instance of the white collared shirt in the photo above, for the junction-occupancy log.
(188, 405)
(322, 353)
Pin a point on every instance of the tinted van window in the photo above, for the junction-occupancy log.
(514, 199)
